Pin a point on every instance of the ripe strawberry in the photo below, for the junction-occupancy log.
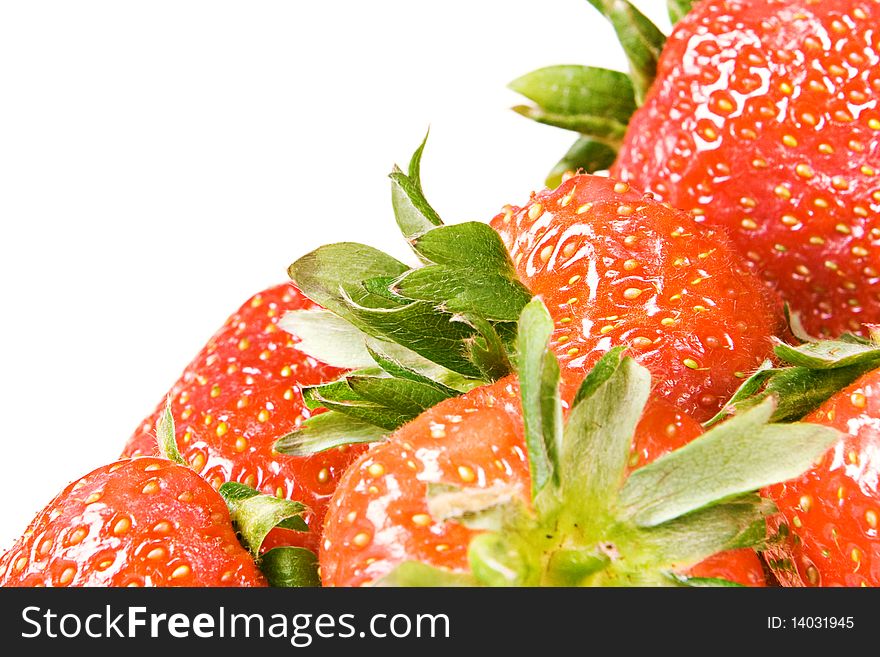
(240, 394)
(380, 516)
(829, 514)
(137, 522)
(618, 268)
(763, 120)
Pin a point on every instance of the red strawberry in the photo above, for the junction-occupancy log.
(137, 522)
(240, 394)
(830, 514)
(618, 268)
(764, 120)
(380, 517)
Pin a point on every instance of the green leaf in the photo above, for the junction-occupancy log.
(585, 154)
(326, 431)
(340, 398)
(572, 90)
(539, 391)
(488, 350)
(415, 574)
(398, 370)
(603, 370)
(414, 214)
(598, 128)
(492, 508)
(796, 326)
(799, 390)
(419, 327)
(495, 561)
(830, 354)
(642, 41)
(327, 338)
(598, 439)
(329, 274)
(691, 538)
(254, 514)
(678, 9)
(461, 290)
(707, 582)
(166, 436)
(471, 244)
(407, 397)
(572, 567)
(738, 456)
(286, 567)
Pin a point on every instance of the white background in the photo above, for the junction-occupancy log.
(162, 161)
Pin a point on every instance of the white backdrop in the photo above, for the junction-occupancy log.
(161, 161)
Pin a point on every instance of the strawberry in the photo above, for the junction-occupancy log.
(136, 522)
(240, 394)
(829, 516)
(763, 120)
(617, 267)
(487, 489)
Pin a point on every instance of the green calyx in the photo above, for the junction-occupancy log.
(588, 522)
(413, 336)
(597, 103)
(808, 374)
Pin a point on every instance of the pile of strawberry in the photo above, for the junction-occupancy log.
(615, 383)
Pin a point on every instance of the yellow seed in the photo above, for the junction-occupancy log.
(830, 264)
(868, 171)
(789, 220)
(786, 88)
(185, 496)
(804, 171)
(181, 572)
(821, 203)
(625, 210)
(805, 503)
(163, 527)
(241, 444)
(466, 474)
(563, 339)
(874, 124)
(629, 265)
(871, 518)
(859, 251)
(641, 342)
(856, 555)
(94, 497)
(565, 200)
(839, 182)
(77, 536)
(802, 270)
(324, 476)
(157, 554)
(572, 301)
(215, 391)
(789, 141)
(286, 371)
(573, 351)
(782, 192)
(621, 188)
(574, 279)
(748, 224)
(632, 293)
(151, 487)
(565, 320)
(759, 163)
(198, 462)
(361, 539)
(546, 252)
(376, 470)
(605, 330)
(861, 211)
(243, 344)
(826, 149)
(796, 522)
(121, 526)
(442, 547)
(691, 363)
(263, 415)
(815, 239)
(421, 519)
(222, 429)
(67, 576)
(841, 492)
(584, 208)
(858, 400)
(668, 321)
